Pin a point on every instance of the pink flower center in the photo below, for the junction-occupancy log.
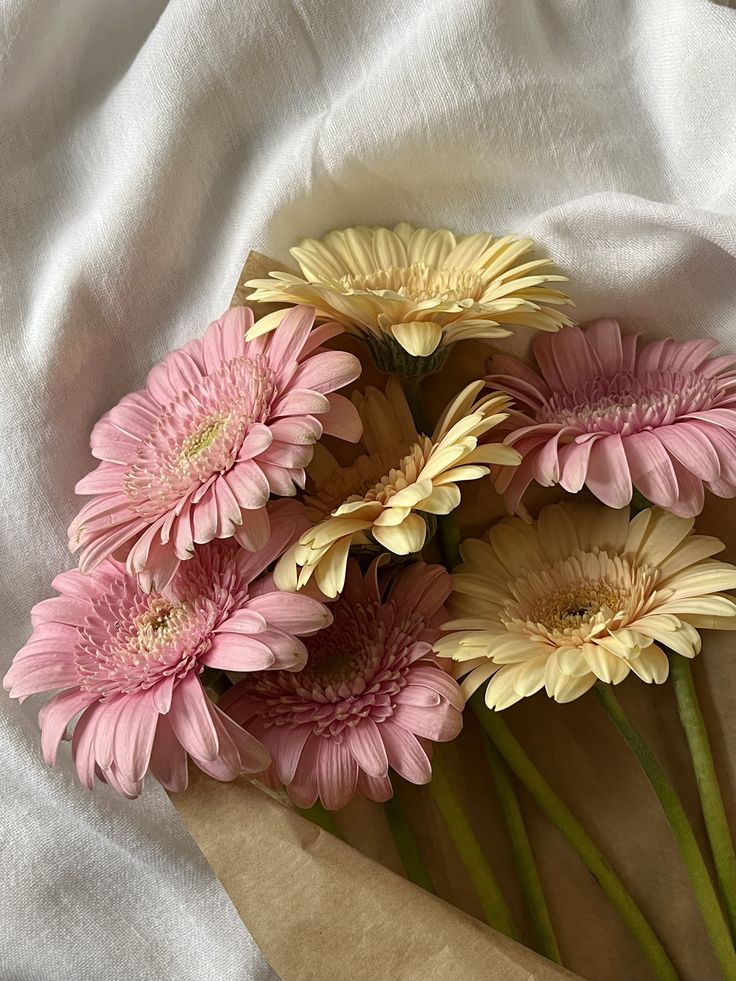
(628, 404)
(198, 435)
(356, 667)
(131, 641)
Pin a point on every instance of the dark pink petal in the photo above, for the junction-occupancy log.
(574, 460)
(254, 757)
(259, 438)
(55, 716)
(434, 677)
(133, 739)
(688, 356)
(543, 348)
(685, 443)
(169, 758)
(300, 402)
(249, 486)
(521, 477)
(300, 430)
(106, 479)
(651, 469)
(367, 747)
(342, 420)
(608, 474)
(327, 371)
(288, 750)
(691, 498)
(438, 724)
(604, 337)
(303, 789)
(83, 743)
(337, 774)
(286, 342)
(506, 367)
(418, 696)
(405, 754)
(228, 509)
(293, 612)
(575, 360)
(183, 372)
(191, 720)
(421, 586)
(375, 788)
(235, 652)
(652, 356)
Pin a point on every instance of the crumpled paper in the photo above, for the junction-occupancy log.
(321, 909)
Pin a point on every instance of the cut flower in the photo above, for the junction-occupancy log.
(128, 663)
(600, 414)
(380, 499)
(584, 593)
(221, 425)
(371, 696)
(418, 289)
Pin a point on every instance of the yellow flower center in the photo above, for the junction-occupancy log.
(204, 437)
(418, 282)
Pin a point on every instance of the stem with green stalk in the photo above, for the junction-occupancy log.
(526, 866)
(406, 845)
(578, 838)
(711, 800)
(471, 854)
(705, 894)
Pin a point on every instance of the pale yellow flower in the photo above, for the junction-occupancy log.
(379, 500)
(584, 593)
(414, 291)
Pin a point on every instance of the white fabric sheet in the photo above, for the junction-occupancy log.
(145, 148)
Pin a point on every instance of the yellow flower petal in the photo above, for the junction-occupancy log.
(418, 338)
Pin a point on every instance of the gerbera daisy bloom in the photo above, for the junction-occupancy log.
(130, 662)
(584, 593)
(380, 499)
(599, 414)
(371, 696)
(411, 292)
(221, 425)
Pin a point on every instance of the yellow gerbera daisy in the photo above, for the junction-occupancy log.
(584, 593)
(381, 497)
(411, 292)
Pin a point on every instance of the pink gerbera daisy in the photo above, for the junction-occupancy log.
(661, 420)
(130, 662)
(221, 425)
(372, 695)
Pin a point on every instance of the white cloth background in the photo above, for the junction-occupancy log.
(145, 147)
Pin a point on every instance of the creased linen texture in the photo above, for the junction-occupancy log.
(146, 148)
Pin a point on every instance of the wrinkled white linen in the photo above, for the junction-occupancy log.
(145, 148)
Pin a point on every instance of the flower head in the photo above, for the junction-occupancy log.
(599, 413)
(414, 291)
(130, 662)
(402, 475)
(221, 425)
(371, 696)
(584, 593)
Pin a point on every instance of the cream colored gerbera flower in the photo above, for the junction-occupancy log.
(411, 292)
(381, 497)
(584, 593)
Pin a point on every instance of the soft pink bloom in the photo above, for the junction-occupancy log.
(372, 695)
(221, 425)
(130, 662)
(598, 413)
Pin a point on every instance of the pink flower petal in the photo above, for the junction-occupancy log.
(292, 612)
(604, 338)
(439, 725)
(367, 747)
(169, 758)
(133, 736)
(259, 438)
(327, 371)
(651, 469)
(301, 402)
(304, 789)
(55, 716)
(191, 720)
(375, 788)
(608, 474)
(337, 774)
(249, 486)
(685, 443)
(405, 754)
(289, 750)
(287, 341)
(342, 420)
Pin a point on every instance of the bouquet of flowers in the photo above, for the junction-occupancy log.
(290, 569)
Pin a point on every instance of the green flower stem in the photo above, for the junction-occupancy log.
(716, 822)
(687, 844)
(578, 838)
(321, 817)
(412, 390)
(407, 845)
(526, 866)
(476, 865)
